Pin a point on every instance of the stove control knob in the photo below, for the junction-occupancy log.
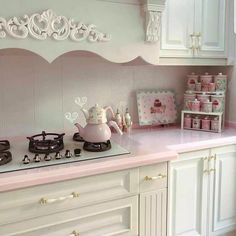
(26, 159)
(47, 157)
(58, 156)
(77, 152)
(37, 158)
(68, 154)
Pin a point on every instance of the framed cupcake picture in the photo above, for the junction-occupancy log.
(156, 107)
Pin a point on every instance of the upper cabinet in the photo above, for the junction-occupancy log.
(194, 29)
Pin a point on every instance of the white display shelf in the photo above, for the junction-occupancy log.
(206, 93)
(215, 114)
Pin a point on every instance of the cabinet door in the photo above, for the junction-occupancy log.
(210, 22)
(153, 213)
(187, 206)
(177, 26)
(223, 191)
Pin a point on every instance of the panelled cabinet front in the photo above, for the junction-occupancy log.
(194, 28)
(202, 193)
(187, 196)
(223, 191)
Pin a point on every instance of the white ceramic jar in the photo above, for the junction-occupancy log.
(215, 124)
(206, 106)
(196, 122)
(217, 103)
(221, 82)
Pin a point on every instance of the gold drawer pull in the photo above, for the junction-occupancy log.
(212, 170)
(75, 233)
(160, 176)
(44, 201)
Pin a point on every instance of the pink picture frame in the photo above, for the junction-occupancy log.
(156, 107)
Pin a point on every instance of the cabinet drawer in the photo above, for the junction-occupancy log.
(153, 177)
(46, 199)
(119, 217)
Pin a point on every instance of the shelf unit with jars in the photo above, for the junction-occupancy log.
(204, 103)
(214, 122)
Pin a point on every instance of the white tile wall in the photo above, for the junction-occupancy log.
(34, 95)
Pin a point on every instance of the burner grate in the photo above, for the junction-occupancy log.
(5, 157)
(97, 147)
(46, 143)
(4, 145)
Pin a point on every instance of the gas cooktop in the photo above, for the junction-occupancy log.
(23, 158)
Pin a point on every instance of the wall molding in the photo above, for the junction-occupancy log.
(48, 24)
(153, 9)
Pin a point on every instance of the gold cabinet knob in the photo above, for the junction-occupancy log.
(75, 233)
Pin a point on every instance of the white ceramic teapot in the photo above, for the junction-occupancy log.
(97, 129)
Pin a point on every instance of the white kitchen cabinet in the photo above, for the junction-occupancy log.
(194, 28)
(223, 191)
(177, 25)
(202, 193)
(153, 213)
(187, 196)
(210, 24)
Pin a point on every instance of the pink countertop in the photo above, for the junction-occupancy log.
(147, 146)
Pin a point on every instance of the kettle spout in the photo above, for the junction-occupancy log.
(80, 128)
(86, 113)
(115, 126)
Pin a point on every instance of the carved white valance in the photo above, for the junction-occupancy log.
(48, 24)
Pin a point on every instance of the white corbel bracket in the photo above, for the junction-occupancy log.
(153, 10)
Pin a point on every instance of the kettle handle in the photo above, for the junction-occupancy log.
(109, 108)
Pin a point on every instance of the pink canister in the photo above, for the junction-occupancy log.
(188, 97)
(206, 79)
(206, 106)
(195, 105)
(212, 87)
(192, 81)
(187, 121)
(203, 98)
(221, 82)
(206, 123)
(215, 124)
(205, 87)
(218, 103)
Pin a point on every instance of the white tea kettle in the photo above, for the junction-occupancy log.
(97, 129)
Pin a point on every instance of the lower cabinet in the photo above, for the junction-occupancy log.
(202, 193)
(121, 203)
(118, 217)
(223, 191)
(153, 213)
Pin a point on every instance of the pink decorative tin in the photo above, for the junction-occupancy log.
(206, 123)
(206, 79)
(188, 97)
(187, 121)
(211, 87)
(192, 81)
(195, 105)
